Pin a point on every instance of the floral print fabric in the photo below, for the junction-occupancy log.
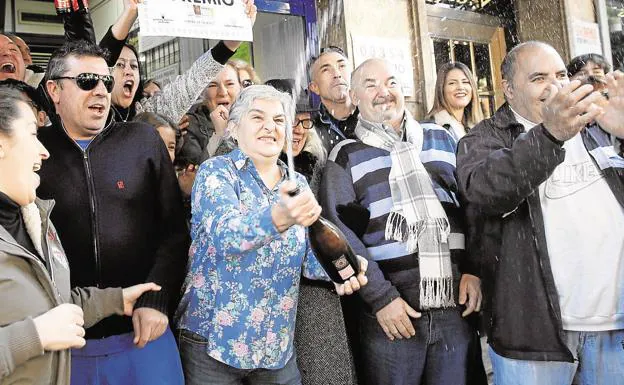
(242, 285)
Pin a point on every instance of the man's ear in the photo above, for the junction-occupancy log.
(54, 90)
(354, 99)
(313, 87)
(508, 89)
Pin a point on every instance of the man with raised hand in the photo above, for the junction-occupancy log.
(545, 200)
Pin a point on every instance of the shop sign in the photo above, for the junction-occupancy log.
(467, 4)
(204, 19)
(396, 51)
(585, 37)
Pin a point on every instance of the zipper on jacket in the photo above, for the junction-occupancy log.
(94, 229)
(91, 192)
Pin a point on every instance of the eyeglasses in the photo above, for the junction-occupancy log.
(305, 123)
(88, 81)
(246, 83)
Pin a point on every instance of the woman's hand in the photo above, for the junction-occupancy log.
(186, 179)
(132, 293)
(354, 283)
(61, 328)
(219, 117)
(251, 11)
(302, 209)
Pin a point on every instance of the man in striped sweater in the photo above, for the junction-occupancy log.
(411, 322)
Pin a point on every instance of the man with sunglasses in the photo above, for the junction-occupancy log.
(119, 212)
(330, 75)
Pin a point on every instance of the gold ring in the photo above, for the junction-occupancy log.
(311, 214)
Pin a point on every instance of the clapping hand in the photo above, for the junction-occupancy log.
(612, 118)
(568, 110)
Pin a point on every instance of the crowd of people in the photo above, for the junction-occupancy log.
(149, 233)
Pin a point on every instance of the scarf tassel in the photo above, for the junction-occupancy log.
(395, 225)
(436, 292)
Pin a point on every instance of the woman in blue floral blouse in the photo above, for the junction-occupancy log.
(237, 314)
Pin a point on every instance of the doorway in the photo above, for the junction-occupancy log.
(476, 40)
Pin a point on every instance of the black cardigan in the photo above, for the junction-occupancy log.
(119, 213)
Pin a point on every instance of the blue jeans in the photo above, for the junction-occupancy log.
(116, 360)
(200, 368)
(436, 355)
(599, 360)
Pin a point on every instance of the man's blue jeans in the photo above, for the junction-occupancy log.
(200, 368)
(599, 360)
(436, 355)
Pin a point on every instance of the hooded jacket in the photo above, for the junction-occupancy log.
(30, 285)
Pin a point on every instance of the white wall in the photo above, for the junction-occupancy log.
(104, 13)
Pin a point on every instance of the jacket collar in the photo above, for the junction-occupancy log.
(10, 244)
(110, 121)
(326, 117)
(504, 119)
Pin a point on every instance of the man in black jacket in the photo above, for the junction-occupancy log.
(330, 75)
(119, 212)
(545, 205)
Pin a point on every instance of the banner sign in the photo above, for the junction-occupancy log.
(205, 19)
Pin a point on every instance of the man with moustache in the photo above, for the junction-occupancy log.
(545, 194)
(331, 73)
(119, 213)
(412, 330)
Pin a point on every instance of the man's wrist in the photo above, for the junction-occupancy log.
(551, 137)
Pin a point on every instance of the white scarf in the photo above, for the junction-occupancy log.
(417, 217)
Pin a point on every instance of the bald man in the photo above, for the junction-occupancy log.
(404, 175)
(546, 208)
(11, 60)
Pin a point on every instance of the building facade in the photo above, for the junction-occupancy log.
(417, 36)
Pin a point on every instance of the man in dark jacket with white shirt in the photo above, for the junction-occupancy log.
(545, 197)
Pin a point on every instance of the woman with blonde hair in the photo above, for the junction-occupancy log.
(456, 102)
(246, 73)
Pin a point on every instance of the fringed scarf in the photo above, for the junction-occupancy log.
(417, 217)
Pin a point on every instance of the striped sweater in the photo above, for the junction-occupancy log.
(356, 172)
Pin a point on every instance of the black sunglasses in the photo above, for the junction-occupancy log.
(88, 81)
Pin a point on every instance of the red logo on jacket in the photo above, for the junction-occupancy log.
(121, 185)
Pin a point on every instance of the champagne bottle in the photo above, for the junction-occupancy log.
(329, 244)
(333, 251)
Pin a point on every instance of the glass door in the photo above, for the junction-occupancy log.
(476, 40)
(478, 58)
